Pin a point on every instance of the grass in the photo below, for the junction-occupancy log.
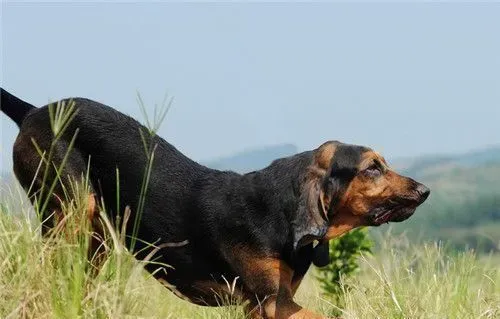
(426, 281)
(51, 278)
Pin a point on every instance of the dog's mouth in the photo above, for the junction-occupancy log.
(392, 211)
(399, 209)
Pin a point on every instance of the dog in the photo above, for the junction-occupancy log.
(253, 236)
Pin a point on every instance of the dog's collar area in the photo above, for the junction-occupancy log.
(321, 254)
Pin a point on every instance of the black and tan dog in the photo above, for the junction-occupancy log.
(257, 229)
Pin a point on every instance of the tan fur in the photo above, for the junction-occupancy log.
(341, 225)
(324, 154)
(92, 209)
(363, 194)
(271, 277)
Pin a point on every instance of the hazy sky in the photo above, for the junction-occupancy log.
(405, 79)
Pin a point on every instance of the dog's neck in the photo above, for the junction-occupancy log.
(282, 181)
(278, 188)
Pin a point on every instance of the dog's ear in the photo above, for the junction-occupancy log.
(317, 194)
(333, 167)
(321, 254)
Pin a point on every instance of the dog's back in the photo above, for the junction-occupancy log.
(114, 145)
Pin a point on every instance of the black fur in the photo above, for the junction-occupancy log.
(14, 108)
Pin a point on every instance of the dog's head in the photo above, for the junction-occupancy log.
(347, 186)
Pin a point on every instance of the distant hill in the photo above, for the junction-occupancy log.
(253, 159)
(464, 206)
(424, 165)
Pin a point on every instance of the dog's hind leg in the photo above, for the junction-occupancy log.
(29, 173)
(54, 183)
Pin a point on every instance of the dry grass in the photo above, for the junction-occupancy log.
(52, 279)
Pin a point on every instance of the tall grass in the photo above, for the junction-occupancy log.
(52, 278)
(425, 281)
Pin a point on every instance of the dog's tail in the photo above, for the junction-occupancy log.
(14, 107)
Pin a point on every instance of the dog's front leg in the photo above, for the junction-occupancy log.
(279, 307)
(282, 307)
(270, 283)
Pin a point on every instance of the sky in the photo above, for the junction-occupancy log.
(404, 78)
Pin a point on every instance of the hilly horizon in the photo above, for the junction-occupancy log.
(258, 158)
(463, 209)
(252, 159)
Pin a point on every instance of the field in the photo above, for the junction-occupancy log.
(51, 278)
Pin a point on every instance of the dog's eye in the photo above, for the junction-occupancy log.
(373, 171)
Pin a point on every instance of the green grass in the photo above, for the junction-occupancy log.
(405, 281)
(51, 278)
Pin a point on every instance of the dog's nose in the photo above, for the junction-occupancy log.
(423, 192)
